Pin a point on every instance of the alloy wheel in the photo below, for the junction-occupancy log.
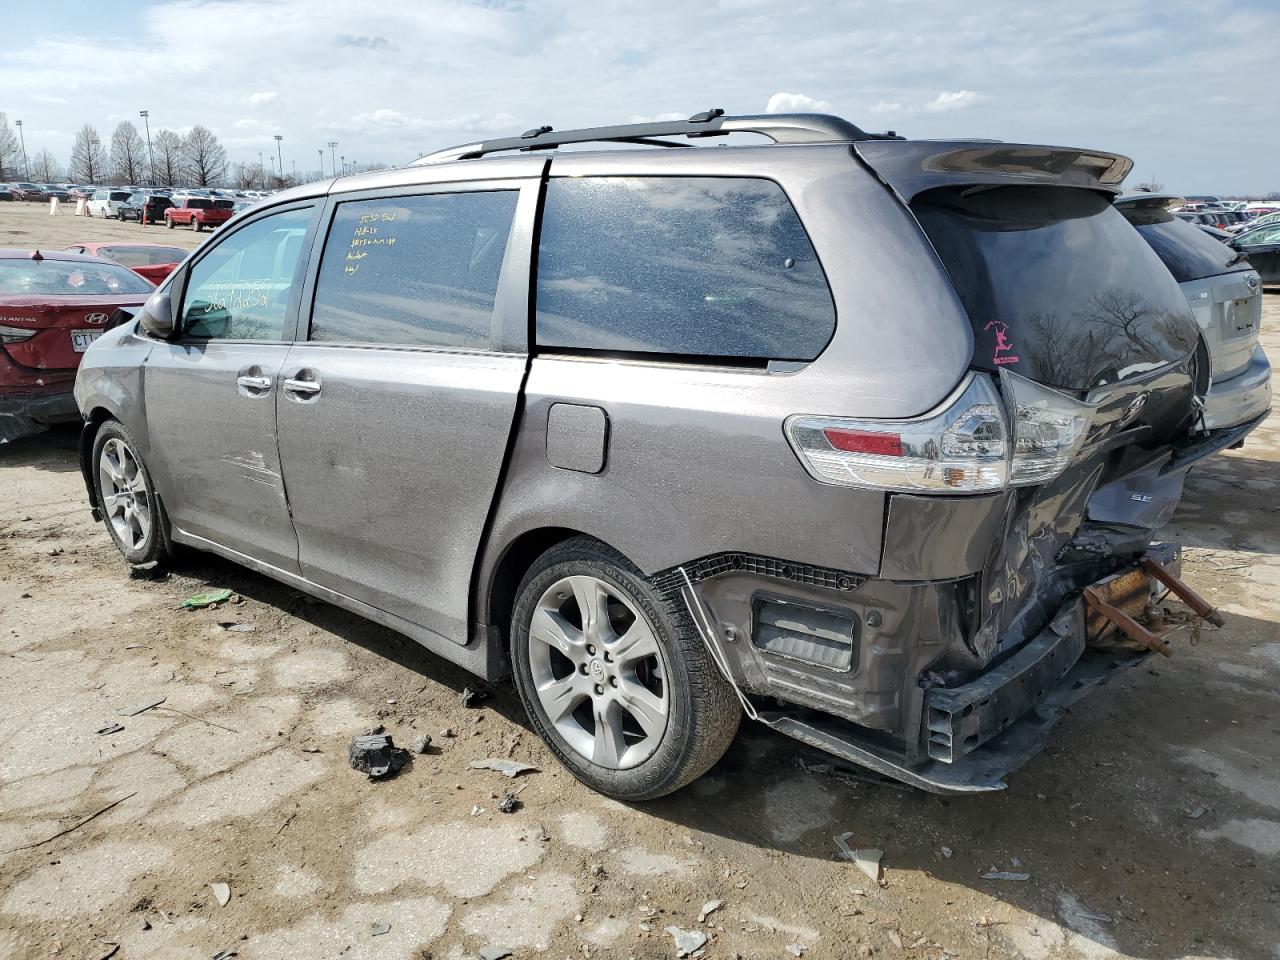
(125, 494)
(599, 672)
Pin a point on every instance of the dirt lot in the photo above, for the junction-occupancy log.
(28, 224)
(1151, 828)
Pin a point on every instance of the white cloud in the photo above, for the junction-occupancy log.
(265, 96)
(796, 103)
(954, 100)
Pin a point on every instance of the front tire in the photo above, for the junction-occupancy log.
(126, 497)
(195, 225)
(614, 677)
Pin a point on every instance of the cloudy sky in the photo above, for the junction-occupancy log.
(1185, 87)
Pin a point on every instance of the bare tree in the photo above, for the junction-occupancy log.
(244, 175)
(10, 155)
(128, 153)
(45, 168)
(167, 149)
(205, 162)
(88, 159)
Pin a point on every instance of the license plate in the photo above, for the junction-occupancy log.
(80, 339)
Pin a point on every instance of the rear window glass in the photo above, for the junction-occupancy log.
(415, 271)
(119, 195)
(197, 203)
(691, 266)
(142, 256)
(64, 278)
(1188, 252)
(1058, 286)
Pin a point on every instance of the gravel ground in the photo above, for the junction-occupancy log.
(1150, 828)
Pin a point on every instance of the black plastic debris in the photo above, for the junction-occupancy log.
(111, 728)
(377, 755)
(509, 803)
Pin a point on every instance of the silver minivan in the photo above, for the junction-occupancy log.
(866, 438)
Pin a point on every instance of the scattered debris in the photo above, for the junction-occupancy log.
(1098, 917)
(379, 928)
(509, 803)
(795, 949)
(201, 600)
(74, 826)
(376, 729)
(471, 697)
(494, 953)
(946, 852)
(111, 728)
(420, 744)
(868, 861)
(142, 707)
(1195, 813)
(508, 768)
(687, 941)
(476, 809)
(224, 955)
(232, 627)
(708, 908)
(895, 938)
(134, 646)
(994, 874)
(446, 733)
(221, 893)
(115, 948)
(377, 755)
(310, 749)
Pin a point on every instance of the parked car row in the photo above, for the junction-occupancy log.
(923, 406)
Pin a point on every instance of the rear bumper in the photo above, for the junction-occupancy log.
(1244, 397)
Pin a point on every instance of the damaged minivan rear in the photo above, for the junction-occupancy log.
(866, 438)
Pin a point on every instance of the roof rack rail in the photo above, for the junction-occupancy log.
(778, 127)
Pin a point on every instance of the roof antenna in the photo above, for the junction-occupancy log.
(535, 132)
(35, 255)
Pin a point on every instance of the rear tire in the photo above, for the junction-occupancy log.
(195, 225)
(126, 498)
(640, 708)
(169, 221)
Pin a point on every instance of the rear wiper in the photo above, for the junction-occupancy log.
(1236, 259)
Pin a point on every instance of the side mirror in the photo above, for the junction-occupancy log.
(157, 317)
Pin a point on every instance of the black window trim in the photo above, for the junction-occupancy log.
(513, 332)
(682, 359)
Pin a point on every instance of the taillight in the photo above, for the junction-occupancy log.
(16, 334)
(967, 446)
(963, 448)
(1048, 429)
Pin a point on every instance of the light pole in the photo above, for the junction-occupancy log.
(262, 177)
(321, 152)
(333, 166)
(25, 169)
(343, 161)
(151, 159)
(94, 144)
(280, 158)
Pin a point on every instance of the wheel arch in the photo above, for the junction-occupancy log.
(93, 422)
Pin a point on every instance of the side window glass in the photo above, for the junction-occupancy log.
(694, 266)
(240, 289)
(418, 271)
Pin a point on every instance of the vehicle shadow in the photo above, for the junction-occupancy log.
(54, 450)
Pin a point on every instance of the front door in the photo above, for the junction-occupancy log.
(397, 401)
(211, 391)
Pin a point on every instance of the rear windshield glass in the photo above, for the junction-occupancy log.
(1058, 286)
(1188, 252)
(679, 266)
(119, 195)
(142, 256)
(198, 203)
(63, 278)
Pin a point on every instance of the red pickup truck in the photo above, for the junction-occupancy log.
(198, 212)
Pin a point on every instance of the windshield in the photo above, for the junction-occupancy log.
(142, 256)
(68, 278)
(1188, 252)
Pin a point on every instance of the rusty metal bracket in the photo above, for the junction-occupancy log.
(1176, 585)
(1125, 623)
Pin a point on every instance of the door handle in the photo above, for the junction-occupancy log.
(307, 388)
(254, 383)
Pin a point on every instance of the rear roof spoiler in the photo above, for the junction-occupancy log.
(912, 166)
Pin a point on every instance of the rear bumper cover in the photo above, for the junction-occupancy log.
(1244, 397)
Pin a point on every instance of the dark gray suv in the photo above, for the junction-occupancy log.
(865, 437)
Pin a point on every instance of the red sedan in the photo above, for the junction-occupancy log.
(52, 307)
(153, 261)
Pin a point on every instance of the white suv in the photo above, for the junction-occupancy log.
(107, 203)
